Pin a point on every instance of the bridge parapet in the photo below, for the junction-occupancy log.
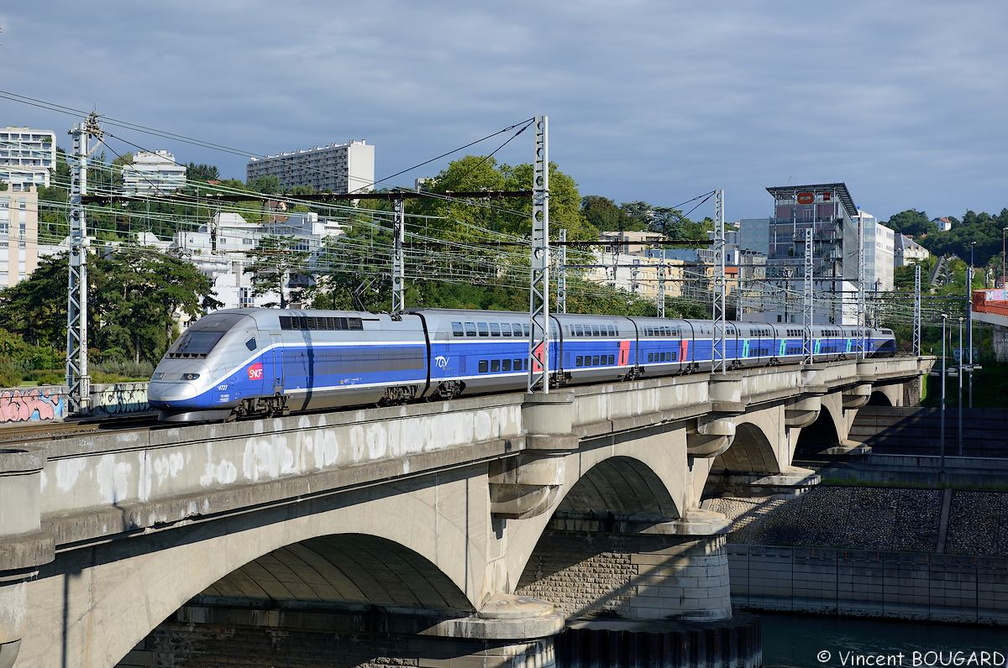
(137, 480)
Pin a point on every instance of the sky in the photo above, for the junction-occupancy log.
(659, 101)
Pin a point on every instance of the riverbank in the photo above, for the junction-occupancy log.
(905, 553)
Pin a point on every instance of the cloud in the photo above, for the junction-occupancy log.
(648, 100)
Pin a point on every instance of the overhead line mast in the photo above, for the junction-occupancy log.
(538, 358)
(78, 381)
(718, 343)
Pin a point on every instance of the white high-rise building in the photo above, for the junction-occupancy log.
(27, 157)
(152, 173)
(338, 168)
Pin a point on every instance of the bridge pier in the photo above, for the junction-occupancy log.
(641, 589)
(631, 569)
(23, 546)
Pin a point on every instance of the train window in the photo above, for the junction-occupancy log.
(251, 344)
(579, 361)
(526, 329)
(595, 360)
(484, 365)
(195, 343)
(612, 359)
(505, 329)
(457, 329)
(483, 329)
(494, 366)
(518, 365)
(506, 364)
(494, 329)
(470, 329)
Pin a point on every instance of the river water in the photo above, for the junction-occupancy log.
(791, 640)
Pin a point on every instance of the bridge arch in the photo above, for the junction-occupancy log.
(122, 591)
(590, 531)
(340, 569)
(619, 486)
(639, 479)
(751, 452)
(826, 431)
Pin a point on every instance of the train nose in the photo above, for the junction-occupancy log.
(174, 385)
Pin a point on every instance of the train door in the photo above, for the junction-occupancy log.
(275, 381)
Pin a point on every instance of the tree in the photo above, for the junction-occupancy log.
(603, 213)
(911, 222)
(201, 172)
(134, 296)
(274, 261)
(267, 183)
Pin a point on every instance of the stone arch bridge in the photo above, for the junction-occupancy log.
(456, 522)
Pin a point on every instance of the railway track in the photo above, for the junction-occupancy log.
(35, 433)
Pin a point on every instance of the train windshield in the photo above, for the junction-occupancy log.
(197, 343)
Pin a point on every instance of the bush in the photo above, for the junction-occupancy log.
(20, 360)
(9, 376)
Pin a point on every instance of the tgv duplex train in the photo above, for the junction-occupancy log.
(245, 362)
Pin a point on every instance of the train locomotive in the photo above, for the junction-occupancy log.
(262, 362)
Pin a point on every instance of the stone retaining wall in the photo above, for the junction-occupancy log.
(863, 583)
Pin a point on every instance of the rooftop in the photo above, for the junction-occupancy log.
(783, 192)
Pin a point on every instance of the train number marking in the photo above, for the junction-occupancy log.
(255, 372)
(441, 362)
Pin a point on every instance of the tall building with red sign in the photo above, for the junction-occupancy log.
(829, 210)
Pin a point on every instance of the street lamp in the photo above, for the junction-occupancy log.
(960, 386)
(944, 317)
(969, 306)
(1003, 230)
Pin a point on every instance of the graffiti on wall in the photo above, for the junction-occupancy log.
(118, 399)
(32, 404)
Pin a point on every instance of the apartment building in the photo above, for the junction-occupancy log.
(152, 173)
(27, 157)
(337, 168)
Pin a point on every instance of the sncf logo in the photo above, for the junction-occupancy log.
(255, 372)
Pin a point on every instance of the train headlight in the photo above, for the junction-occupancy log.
(190, 376)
